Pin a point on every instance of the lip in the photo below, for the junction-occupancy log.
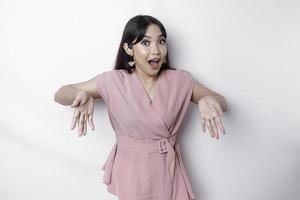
(157, 60)
(154, 59)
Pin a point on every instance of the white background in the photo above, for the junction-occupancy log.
(248, 51)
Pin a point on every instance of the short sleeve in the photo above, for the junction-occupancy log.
(187, 82)
(103, 84)
(192, 81)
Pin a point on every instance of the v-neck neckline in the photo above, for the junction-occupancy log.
(146, 95)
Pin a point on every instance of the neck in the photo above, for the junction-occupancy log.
(147, 79)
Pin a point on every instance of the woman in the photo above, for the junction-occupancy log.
(147, 101)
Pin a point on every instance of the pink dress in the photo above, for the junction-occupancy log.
(145, 163)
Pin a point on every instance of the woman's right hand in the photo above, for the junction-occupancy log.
(84, 110)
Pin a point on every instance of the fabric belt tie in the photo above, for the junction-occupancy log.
(163, 145)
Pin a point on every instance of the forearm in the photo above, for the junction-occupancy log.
(66, 95)
(220, 99)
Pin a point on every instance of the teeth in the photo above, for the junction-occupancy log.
(154, 60)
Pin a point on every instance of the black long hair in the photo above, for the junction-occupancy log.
(135, 29)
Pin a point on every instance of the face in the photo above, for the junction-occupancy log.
(150, 53)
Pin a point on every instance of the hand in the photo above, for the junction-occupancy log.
(84, 109)
(211, 111)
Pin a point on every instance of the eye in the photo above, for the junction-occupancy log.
(162, 41)
(145, 42)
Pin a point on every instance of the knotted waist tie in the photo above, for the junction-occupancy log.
(163, 145)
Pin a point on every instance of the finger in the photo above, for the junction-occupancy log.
(90, 115)
(82, 128)
(80, 125)
(210, 128)
(215, 128)
(91, 105)
(203, 124)
(84, 125)
(84, 100)
(75, 102)
(219, 109)
(220, 125)
(74, 119)
(90, 118)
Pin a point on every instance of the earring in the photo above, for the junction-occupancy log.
(131, 63)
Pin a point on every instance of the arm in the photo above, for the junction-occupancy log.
(200, 91)
(67, 93)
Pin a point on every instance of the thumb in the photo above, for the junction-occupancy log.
(75, 102)
(83, 100)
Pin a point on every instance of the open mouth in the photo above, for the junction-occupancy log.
(154, 61)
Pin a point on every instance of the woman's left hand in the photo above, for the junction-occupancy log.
(211, 112)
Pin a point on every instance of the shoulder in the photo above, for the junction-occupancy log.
(178, 74)
(112, 74)
(108, 81)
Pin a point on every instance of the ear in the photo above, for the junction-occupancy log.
(127, 49)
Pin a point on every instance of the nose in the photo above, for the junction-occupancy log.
(155, 49)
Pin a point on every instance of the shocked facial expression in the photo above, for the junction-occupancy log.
(150, 53)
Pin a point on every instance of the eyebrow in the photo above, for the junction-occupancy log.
(150, 36)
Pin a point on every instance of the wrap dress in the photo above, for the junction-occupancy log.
(145, 162)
